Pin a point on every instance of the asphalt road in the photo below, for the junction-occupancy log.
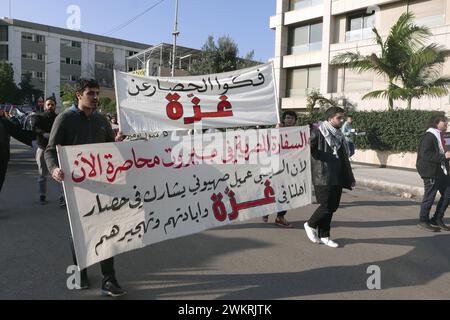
(250, 260)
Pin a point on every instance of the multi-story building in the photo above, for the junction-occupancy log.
(56, 56)
(309, 33)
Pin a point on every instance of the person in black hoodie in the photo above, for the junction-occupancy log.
(433, 167)
(42, 127)
(331, 172)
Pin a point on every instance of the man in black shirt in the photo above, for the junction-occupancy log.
(331, 172)
(80, 125)
(42, 127)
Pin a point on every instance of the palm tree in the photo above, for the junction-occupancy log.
(422, 75)
(403, 59)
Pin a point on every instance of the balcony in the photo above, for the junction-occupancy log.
(358, 35)
(302, 4)
(304, 48)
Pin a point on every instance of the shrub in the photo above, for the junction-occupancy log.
(396, 131)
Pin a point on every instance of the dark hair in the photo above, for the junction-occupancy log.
(349, 116)
(434, 121)
(289, 113)
(51, 99)
(86, 83)
(331, 112)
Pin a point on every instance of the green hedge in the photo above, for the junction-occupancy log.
(397, 131)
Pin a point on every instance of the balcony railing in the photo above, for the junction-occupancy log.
(358, 35)
(297, 5)
(309, 47)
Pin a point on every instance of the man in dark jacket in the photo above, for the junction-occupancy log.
(42, 127)
(331, 172)
(433, 167)
(80, 125)
(8, 129)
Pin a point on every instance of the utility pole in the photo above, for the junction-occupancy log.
(175, 33)
(10, 9)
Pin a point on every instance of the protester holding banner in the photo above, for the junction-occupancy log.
(289, 119)
(77, 126)
(331, 172)
(42, 127)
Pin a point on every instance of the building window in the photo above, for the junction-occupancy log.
(27, 36)
(3, 52)
(33, 37)
(104, 49)
(69, 78)
(70, 44)
(104, 65)
(131, 53)
(33, 56)
(302, 81)
(301, 4)
(359, 27)
(3, 33)
(72, 61)
(306, 38)
(34, 74)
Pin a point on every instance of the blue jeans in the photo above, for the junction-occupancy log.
(432, 186)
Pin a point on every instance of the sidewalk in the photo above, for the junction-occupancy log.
(395, 181)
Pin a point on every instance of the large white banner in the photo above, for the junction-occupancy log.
(235, 99)
(124, 196)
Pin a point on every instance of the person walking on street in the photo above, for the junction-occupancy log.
(349, 133)
(42, 127)
(331, 172)
(79, 125)
(289, 119)
(433, 167)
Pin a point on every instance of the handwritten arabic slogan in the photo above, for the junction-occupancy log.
(241, 98)
(124, 196)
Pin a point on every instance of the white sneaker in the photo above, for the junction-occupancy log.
(311, 233)
(328, 242)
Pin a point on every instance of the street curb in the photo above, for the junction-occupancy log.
(389, 187)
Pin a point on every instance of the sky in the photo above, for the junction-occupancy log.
(245, 21)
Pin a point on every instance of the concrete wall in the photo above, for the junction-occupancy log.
(406, 160)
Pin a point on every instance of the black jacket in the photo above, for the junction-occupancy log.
(7, 130)
(429, 159)
(326, 169)
(43, 124)
(72, 127)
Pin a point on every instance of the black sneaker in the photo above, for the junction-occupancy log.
(42, 200)
(428, 227)
(62, 203)
(112, 288)
(439, 224)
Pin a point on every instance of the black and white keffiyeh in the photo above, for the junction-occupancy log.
(334, 137)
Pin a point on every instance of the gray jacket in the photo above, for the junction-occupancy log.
(72, 127)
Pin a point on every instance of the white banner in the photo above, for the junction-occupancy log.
(124, 196)
(235, 99)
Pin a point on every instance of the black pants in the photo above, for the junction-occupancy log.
(3, 168)
(107, 266)
(328, 198)
(432, 186)
(281, 214)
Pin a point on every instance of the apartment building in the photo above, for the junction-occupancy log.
(64, 55)
(309, 33)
